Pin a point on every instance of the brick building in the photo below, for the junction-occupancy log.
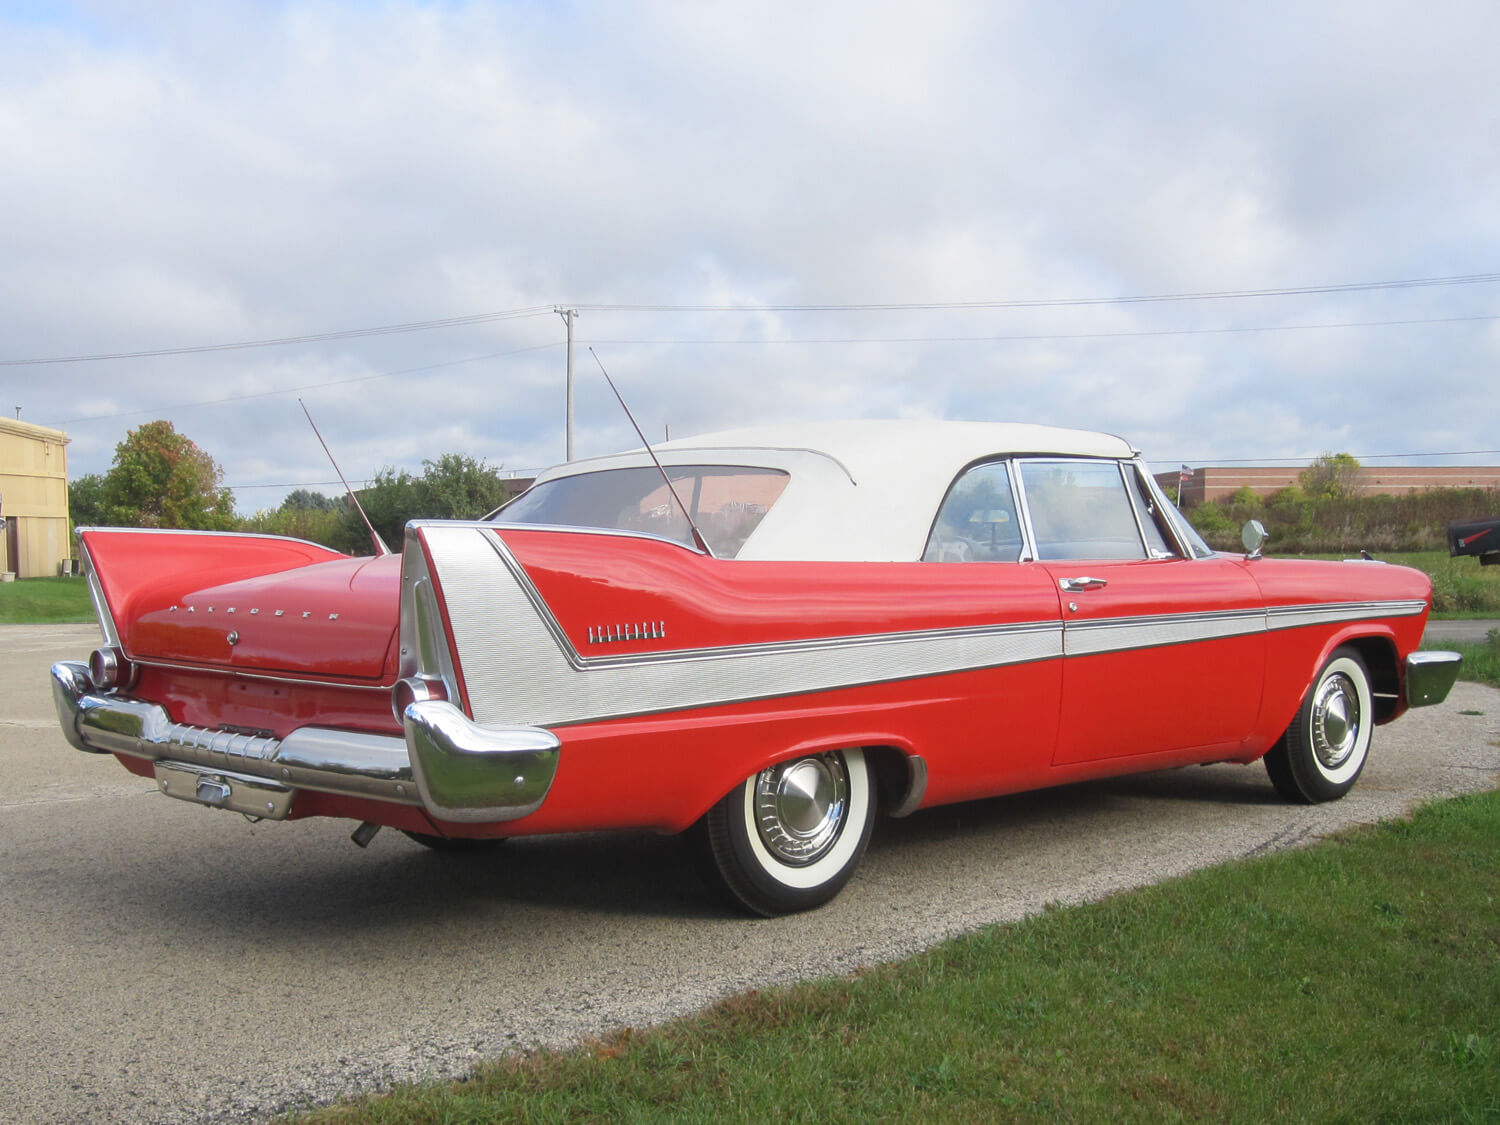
(1211, 482)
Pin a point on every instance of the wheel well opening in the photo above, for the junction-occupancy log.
(893, 774)
(1379, 656)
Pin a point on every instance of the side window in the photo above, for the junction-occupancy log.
(1151, 518)
(1080, 510)
(977, 521)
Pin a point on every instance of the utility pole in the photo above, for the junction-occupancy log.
(568, 315)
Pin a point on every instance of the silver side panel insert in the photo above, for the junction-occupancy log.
(1118, 634)
(519, 668)
(1295, 616)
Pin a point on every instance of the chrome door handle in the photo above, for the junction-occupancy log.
(1073, 585)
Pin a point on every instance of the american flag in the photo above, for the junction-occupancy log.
(1185, 476)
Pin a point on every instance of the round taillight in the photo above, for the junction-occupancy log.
(415, 689)
(109, 668)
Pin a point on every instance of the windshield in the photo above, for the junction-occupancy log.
(727, 502)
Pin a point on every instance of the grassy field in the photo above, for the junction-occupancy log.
(1481, 661)
(1460, 587)
(1343, 982)
(45, 601)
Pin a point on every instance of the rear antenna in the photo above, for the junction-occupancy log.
(380, 547)
(672, 488)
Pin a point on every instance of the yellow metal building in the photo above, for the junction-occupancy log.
(33, 499)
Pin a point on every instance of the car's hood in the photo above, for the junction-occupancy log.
(328, 619)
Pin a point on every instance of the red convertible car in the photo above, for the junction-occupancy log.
(808, 625)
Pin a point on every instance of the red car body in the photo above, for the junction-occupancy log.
(551, 677)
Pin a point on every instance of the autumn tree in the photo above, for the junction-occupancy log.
(1331, 476)
(160, 478)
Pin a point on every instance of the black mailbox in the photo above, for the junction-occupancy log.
(1476, 537)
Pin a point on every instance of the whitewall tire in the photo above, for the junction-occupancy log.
(790, 837)
(1322, 753)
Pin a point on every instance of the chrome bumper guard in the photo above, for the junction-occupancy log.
(455, 770)
(1430, 677)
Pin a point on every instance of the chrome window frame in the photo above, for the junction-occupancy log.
(1174, 514)
(1017, 500)
(1055, 458)
(1169, 534)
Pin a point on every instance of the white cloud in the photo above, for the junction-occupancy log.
(181, 174)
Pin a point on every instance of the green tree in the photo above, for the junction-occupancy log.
(455, 486)
(1331, 476)
(160, 478)
(458, 487)
(86, 501)
(304, 500)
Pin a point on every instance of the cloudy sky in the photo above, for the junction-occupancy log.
(762, 211)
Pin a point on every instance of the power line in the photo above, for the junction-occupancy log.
(1067, 302)
(1041, 336)
(908, 306)
(312, 338)
(307, 386)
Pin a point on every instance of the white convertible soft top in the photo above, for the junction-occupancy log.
(859, 490)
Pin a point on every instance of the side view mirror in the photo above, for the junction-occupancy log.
(1253, 535)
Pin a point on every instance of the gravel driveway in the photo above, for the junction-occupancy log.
(168, 963)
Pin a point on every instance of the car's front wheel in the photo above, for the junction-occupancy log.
(790, 837)
(1322, 753)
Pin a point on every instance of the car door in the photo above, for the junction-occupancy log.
(1162, 651)
(1010, 724)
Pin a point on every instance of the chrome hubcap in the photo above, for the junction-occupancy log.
(800, 807)
(1335, 721)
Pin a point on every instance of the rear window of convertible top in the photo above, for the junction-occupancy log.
(727, 502)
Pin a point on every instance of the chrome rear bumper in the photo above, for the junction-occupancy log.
(454, 769)
(1430, 676)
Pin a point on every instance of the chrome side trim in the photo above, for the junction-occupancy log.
(269, 677)
(1295, 616)
(423, 640)
(535, 679)
(213, 534)
(450, 766)
(96, 594)
(469, 774)
(1430, 677)
(566, 529)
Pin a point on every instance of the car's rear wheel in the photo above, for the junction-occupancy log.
(790, 837)
(1323, 752)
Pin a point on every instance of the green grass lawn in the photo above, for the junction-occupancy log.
(1345, 982)
(1481, 661)
(45, 601)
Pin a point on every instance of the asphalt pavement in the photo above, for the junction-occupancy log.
(163, 962)
(1466, 632)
